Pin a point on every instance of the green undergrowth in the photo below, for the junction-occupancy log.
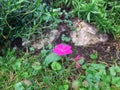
(30, 73)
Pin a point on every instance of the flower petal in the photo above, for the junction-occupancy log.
(62, 49)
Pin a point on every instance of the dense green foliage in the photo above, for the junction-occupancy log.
(26, 17)
(23, 18)
(28, 73)
(103, 13)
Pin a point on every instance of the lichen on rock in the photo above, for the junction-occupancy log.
(86, 34)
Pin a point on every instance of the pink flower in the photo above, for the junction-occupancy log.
(62, 49)
(76, 61)
(77, 58)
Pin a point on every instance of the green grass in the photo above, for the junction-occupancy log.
(102, 13)
(29, 72)
(26, 17)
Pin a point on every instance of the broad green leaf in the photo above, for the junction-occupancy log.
(97, 66)
(66, 87)
(19, 86)
(75, 84)
(94, 56)
(36, 66)
(56, 66)
(106, 79)
(46, 80)
(43, 52)
(32, 49)
(17, 65)
(114, 70)
(116, 81)
(51, 58)
(25, 74)
(65, 38)
(63, 87)
(81, 61)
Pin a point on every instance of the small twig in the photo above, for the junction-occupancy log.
(103, 63)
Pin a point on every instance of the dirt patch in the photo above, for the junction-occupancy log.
(106, 52)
